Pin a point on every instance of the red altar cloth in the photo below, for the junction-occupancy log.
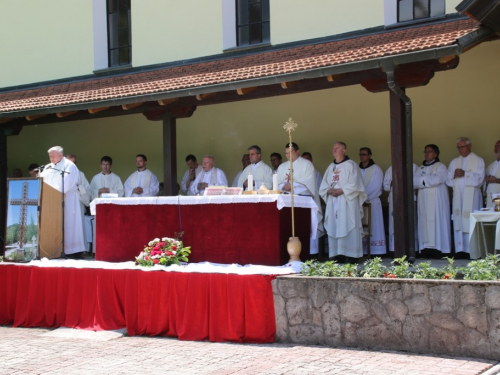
(243, 233)
(190, 306)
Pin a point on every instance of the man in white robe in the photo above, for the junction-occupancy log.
(73, 228)
(106, 181)
(433, 204)
(210, 176)
(260, 171)
(304, 183)
(276, 159)
(190, 175)
(245, 160)
(307, 155)
(465, 176)
(388, 187)
(492, 180)
(143, 182)
(343, 191)
(372, 179)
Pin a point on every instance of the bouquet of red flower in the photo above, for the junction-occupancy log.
(166, 251)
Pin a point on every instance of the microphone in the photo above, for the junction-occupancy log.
(40, 168)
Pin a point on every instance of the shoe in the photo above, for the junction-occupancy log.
(75, 256)
(462, 255)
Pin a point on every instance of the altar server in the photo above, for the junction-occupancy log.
(492, 180)
(372, 179)
(343, 191)
(106, 181)
(73, 228)
(260, 171)
(465, 176)
(245, 161)
(143, 182)
(189, 176)
(433, 203)
(211, 176)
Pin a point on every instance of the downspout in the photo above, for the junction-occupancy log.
(408, 161)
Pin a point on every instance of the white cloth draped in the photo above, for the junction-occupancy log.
(214, 177)
(144, 179)
(467, 196)
(373, 188)
(184, 188)
(110, 181)
(236, 179)
(492, 188)
(73, 226)
(433, 207)
(261, 172)
(343, 213)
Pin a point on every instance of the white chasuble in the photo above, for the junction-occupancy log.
(261, 172)
(73, 227)
(144, 179)
(110, 181)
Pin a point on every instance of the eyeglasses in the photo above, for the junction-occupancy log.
(462, 147)
(364, 154)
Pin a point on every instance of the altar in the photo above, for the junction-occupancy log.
(243, 229)
(484, 232)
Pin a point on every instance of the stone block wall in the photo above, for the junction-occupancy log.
(458, 318)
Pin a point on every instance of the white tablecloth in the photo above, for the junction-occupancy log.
(282, 200)
(476, 241)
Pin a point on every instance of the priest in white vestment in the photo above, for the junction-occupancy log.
(304, 183)
(465, 176)
(343, 191)
(106, 181)
(319, 177)
(372, 179)
(260, 171)
(276, 159)
(245, 160)
(194, 169)
(388, 187)
(73, 227)
(433, 203)
(211, 176)
(492, 180)
(143, 182)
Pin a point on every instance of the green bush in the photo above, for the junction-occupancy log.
(483, 269)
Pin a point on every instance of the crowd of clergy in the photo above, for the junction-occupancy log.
(344, 188)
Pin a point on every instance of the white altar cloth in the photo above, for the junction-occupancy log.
(476, 239)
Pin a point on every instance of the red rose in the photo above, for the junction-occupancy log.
(146, 258)
(156, 261)
(161, 244)
(174, 247)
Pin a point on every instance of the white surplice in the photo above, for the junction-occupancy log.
(110, 181)
(433, 207)
(73, 226)
(236, 179)
(467, 196)
(372, 179)
(388, 187)
(144, 179)
(492, 188)
(184, 188)
(84, 198)
(214, 177)
(343, 213)
(304, 183)
(261, 172)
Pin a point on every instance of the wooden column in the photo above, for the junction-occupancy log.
(3, 188)
(402, 179)
(169, 155)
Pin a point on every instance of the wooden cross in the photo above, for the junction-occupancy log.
(24, 202)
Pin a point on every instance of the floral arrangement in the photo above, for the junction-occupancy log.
(166, 251)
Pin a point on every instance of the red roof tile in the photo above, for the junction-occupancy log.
(233, 70)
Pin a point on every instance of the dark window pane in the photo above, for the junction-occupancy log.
(437, 8)
(119, 32)
(243, 35)
(112, 6)
(265, 10)
(256, 33)
(255, 13)
(113, 30)
(405, 10)
(113, 57)
(421, 8)
(242, 10)
(123, 35)
(266, 32)
(124, 56)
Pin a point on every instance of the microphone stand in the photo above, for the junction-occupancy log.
(62, 171)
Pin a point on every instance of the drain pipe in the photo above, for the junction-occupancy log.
(408, 161)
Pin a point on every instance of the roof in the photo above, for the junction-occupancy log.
(230, 73)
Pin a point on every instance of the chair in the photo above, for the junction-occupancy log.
(366, 221)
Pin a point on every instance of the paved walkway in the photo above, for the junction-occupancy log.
(64, 351)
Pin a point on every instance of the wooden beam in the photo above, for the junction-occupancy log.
(126, 107)
(334, 77)
(445, 59)
(4, 120)
(287, 85)
(97, 110)
(245, 90)
(167, 101)
(65, 114)
(169, 156)
(34, 117)
(205, 96)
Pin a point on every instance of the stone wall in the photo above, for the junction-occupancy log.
(458, 318)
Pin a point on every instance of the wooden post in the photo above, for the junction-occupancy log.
(402, 179)
(3, 188)
(169, 155)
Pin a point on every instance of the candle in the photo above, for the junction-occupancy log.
(275, 181)
(250, 182)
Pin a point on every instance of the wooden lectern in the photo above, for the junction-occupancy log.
(50, 227)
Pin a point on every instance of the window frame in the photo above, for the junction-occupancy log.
(437, 10)
(121, 45)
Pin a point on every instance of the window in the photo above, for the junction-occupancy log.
(119, 33)
(411, 11)
(252, 17)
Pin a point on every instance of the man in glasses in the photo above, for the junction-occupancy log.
(372, 179)
(465, 176)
